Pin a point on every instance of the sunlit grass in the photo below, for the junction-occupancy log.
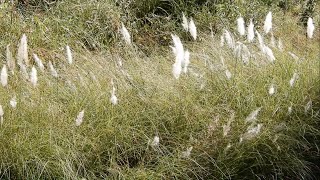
(40, 138)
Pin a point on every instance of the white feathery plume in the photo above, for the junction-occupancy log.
(176, 70)
(261, 43)
(1, 115)
(155, 142)
(13, 102)
(79, 119)
(228, 74)
(193, 29)
(289, 110)
(250, 35)
(125, 34)
(113, 99)
(33, 76)
(69, 54)
(185, 22)
(52, 70)
(271, 90)
(38, 62)
(23, 51)
(229, 39)
(293, 79)
(268, 23)
(253, 115)
(222, 40)
(269, 53)
(252, 131)
(187, 153)
(179, 56)
(10, 61)
(186, 61)
(241, 26)
(280, 45)
(310, 27)
(4, 76)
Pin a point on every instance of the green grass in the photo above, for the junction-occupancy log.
(39, 139)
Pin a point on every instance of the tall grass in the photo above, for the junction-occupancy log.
(41, 140)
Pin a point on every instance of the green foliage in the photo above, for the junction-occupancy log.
(39, 139)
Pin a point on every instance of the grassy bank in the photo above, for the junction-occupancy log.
(39, 138)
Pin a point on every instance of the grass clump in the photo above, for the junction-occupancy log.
(203, 109)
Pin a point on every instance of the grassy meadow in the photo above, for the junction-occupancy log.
(201, 119)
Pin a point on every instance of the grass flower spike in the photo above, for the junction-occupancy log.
(38, 62)
(241, 26)
(310, 27)
(268, 23)
(4, 76)
(33, 76)
(185, 23)
(125, 34)
(69, 54)
(79, 118)
(250, 35)
(193, 29)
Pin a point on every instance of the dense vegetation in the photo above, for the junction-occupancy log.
(204, 109)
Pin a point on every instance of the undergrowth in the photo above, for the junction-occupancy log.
(40, 140)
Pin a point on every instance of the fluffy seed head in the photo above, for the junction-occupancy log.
(229, 39)
(4, 76)
(33, 76)
(125, 34)
(253, 115)
(269, 54)
(1, 111)
(52, 70)
(179, 52)
(113, 99)
(310, 27)
(250, 35)
(22, 55)
(271, 90)
(268, 23)
(79, 118)
(155, 142)
(241, 26)
(228, 74)
(38, 62)
(193, 29)
(185, 22)
(186, 61)
(13, 102)
(261, 43)
(69, 55)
